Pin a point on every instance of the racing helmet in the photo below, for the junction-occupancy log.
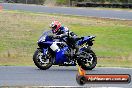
(55, 26)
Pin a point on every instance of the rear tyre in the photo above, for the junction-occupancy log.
(89, 61)
(43, 62)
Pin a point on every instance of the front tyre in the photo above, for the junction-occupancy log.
(88, 59)
(43, 62)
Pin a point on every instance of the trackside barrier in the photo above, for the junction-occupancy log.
(110, 5)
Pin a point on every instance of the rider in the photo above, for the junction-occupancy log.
(61, 31)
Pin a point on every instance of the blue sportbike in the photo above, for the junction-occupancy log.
(56, 51)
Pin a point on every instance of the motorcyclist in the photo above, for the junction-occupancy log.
(61, 31)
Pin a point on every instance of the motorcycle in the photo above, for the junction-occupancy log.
(55, 51)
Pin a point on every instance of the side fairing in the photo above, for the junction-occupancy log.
(60, 56)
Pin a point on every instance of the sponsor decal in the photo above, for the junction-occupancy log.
(83, 78)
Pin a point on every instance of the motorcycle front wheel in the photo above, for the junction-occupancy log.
(43, 62)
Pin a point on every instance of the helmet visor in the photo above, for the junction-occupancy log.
(54, 29)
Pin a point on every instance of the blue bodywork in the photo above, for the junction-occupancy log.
(45, 42)
(60, 56)
(85, 39)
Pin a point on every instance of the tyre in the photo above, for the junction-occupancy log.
(89, 60)
(43, 62)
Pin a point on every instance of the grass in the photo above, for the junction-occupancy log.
(19, 32)
(61, 2)
(113, 62)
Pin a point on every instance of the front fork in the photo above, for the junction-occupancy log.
(45, 51)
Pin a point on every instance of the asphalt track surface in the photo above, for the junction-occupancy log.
(55, 76)
(113, 14)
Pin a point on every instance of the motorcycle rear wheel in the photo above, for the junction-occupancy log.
(85, 63)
